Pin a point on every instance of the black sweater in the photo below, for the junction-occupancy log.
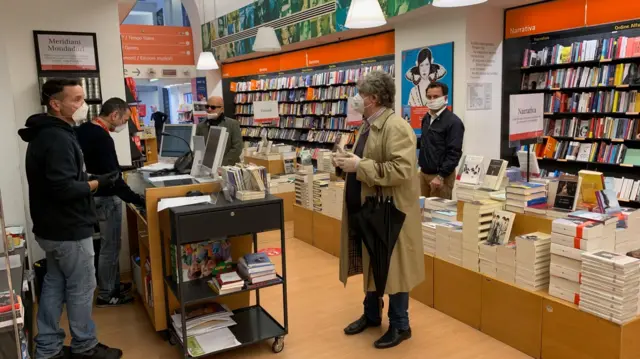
(101, 158)
(441, 144)
(60, 200)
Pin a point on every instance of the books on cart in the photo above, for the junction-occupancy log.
(256, 268)
(532, 260)
(610, 286)
(226, 283)
(6, 316)
(207, 328)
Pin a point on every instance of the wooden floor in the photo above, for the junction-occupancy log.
(319, 308)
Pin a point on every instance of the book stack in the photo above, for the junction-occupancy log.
(248, 181)
(488, 258)
(324, 161)
(437, 204)
(320, 183)
(429, 237)
(442, 240)
(477, 222)
(441, 216)
(506, 262)
(304, 189)
(455, 243)
(225, 283)
(282, 184)
(332, 199)
(532, 260)
(523, 194)
(571, 238)
(610, 286)
(256, 268)
(6, 317)
(207, 328)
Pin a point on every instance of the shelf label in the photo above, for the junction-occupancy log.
(525, 116)
(265, 111)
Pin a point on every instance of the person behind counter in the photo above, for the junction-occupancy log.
(159, 118)
(216, 117)
(63, 215)
(100, 157)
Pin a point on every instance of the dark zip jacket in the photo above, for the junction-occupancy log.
(60, 200)
(441, 144)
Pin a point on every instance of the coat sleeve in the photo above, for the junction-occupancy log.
(235, 136)
(400, 144)
(453, 149)
(61, 172)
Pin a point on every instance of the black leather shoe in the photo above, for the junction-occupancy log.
(359, 326)
(392, 338)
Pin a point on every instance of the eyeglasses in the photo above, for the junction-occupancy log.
(213, 107)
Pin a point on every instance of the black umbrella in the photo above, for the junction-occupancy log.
(379, 223)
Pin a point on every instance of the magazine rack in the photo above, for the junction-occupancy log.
(232, 220)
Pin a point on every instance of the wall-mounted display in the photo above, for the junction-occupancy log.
(66, 51)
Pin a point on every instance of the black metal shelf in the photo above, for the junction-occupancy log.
(578, 64)
(297, 115)
(254, 325)
(587, 162)
(198, 290)
(592, 114)
(298, 88)
(593, 139)
(290, 140)
(301, 128)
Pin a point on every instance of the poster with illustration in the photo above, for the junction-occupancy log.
(420, 67)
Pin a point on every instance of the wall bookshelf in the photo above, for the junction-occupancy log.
(312, 102)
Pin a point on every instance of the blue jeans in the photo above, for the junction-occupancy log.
(109, 211)
(70, 279)
(398, 309)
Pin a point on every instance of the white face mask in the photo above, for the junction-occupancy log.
(437, 103)
(120, 128)
(81, 114)
(213, 116)
(357, 102)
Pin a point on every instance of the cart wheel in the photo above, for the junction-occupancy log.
(172, 340)
(278, 345)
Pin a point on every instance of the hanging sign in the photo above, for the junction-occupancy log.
(265, 111)
(66, 51)
(525, 116)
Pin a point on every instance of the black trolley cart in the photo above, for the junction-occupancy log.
(198, 223)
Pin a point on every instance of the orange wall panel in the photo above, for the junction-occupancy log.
(156, 45)
(607, 11)
(545, 17)
(350, 50)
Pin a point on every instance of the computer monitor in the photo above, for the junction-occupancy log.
(214, 149)
(171, 147)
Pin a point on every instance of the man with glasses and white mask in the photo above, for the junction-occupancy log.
(63, 215)
(100, 157)
(216, 117)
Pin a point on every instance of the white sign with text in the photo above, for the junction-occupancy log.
(67, 52)
(525, 116)
(265, 111)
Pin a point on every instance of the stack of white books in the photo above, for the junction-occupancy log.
(324, 161)
(571, 237)
(455, 243)
(470, 193)
(440, 216)
(429, 237)
(282, 184)
(477, 222)
(332, 199)
(488, 258)
(308, 191)
(506, 258)
(532, 260)
(610, 286)
(442, 240)
(627, 238)
(320, 182)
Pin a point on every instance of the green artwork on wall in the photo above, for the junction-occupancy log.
(264, 11)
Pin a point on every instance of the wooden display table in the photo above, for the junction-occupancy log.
(288, 199)
(457, 292)
(326, 233)
(274, 166)
(303, 224)
(423, 292)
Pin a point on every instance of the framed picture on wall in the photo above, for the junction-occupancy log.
(66, 51)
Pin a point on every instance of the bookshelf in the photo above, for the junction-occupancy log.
(312, 102)
(590, 79)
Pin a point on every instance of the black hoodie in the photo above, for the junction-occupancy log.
(60, 200)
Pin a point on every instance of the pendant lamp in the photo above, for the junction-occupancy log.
(206, 60)
(266, 40)
(456, 3)
(364, 14)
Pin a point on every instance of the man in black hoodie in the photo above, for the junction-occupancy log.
(63, 215)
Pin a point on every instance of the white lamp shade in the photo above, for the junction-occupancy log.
(266, 40)
(207, 61)
(456, 3)
(364, 14)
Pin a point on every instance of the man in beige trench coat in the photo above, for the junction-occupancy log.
(384, 156)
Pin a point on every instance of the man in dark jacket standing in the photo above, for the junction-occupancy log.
(216, 117)
(159, 118)
(63, 215)
(100, 157)
(440, 144)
